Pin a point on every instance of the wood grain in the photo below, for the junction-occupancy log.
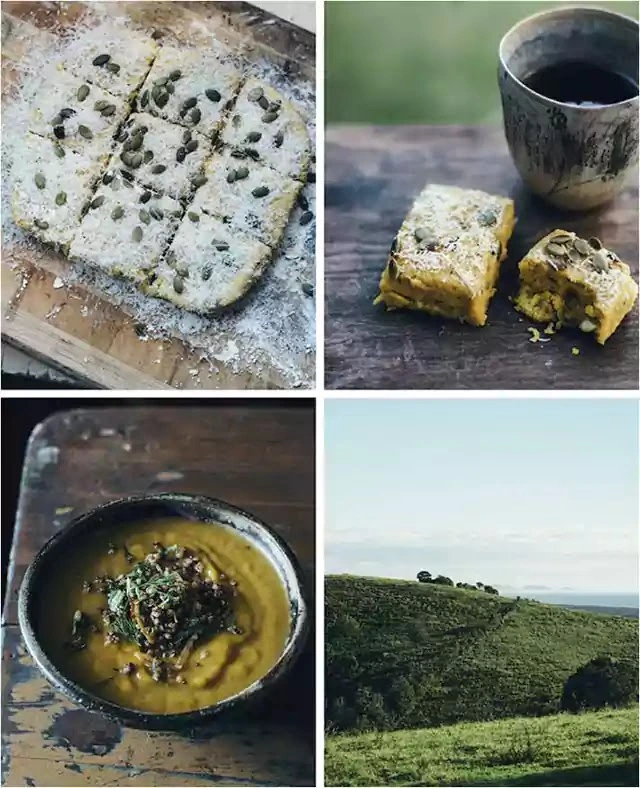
(372, 176)
(260, 458)
(79, 330)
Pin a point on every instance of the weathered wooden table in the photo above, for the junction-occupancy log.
(372, 176)
(260, 458)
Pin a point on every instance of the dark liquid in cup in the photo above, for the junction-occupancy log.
(582, 84)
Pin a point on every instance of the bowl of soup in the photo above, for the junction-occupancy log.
(164, 611)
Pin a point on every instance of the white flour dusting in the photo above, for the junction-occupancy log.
(274, 328)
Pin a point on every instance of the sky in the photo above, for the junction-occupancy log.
(527, 495)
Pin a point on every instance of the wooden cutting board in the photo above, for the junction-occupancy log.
(372, 176)
(260, 458)
(81, 330)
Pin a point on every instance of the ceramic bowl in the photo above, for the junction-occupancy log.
(192, 507)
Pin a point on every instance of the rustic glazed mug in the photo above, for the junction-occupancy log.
(575, 157)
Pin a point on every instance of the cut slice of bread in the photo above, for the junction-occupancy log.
(209, 266)
(234, 192)
(263, 121)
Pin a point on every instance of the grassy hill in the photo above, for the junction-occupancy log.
(406, 655)
(594, 748)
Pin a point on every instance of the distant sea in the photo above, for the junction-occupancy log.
(584, 598)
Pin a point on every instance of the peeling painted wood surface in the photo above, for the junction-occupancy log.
(260, 458)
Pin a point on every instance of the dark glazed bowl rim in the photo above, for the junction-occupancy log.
(149, 720)
(558, 12)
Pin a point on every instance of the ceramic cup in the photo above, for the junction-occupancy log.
(575, 157)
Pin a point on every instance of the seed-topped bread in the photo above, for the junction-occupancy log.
(118, 62)
(161, 155)
(262, 120)
(446, 256)
(126, 229)
(576, 282)
(251, 198)
(77, 115)
(50, 191)
(191, 88)
(209, 266)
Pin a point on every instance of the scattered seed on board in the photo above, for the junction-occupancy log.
(157, 169)
(269, 117)
(161, 81)
(114, 68)
(170, 88)
(191, 146)
(117, 213)
(303, 202)
(97, 201)
(254, 136)
(135, 161)
(306, 217)
(59, 132)
(178, 284)
(221, 246)
(122, 135)
(193, 216)
(100, 104)
(260, 191)
(182, 271)
(145, 197)
(136, 235)
(107, 178)
(83, 92)
(144, 99)
(255, 94)
(189, 103)
(252, 153)
(41, 224)
(311, 177)
(126, 175)
(263, 102)
(40, 180)
(278, 139)
(85, 131)
(61, 198)
(186, 137)
(144, 216)
(206, 273)
(241, 173)
(58, 150)
(195, 116)
(148, 156)
(67, 113)
(175, 75)
(307, 288)
(199, 180)
(156, 213)
(212, 95)
(181, 154)
(231, 176)
(101, 60)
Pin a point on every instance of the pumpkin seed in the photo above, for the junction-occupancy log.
(189, 103)
(135, 161)
(40, 180)
(100, 104)
(580, 245)
(557, 249)
(114, 68)
(161, 81)
(178, 284)
(61, 198)
(58, 150)
(236, 121)
(599, 261)
(157, 34)
(170, 257)
(170, 88)
(134, 142)
(109, 110)
(307, 288)
(198, 181)
(85, 131)
(123, 134)
(252, 153)
(421, 234)
(278, 139)
(145, 197)
(242, 173)
(162, 99)
(156, 213)
(191, 146)
(562, 238)
(117, 213)
(238, 153)
(212, 95)
(157, 169)
(116, 186)
(41, 224)
(193, 216)
(311, 177)
(97, 201)
(260, 191)
(83, 92)
(269, 117)
(182, 270)
(101, 60)
(57, 120)
(263, 102)
(196, 115)
(306, 217)
(186, 137)
(144, 216)
(107, 178)
(148, 156)
(126, 175)
(221, 246)
(180, 154)
(231, 176)
(66, 113)
(206, 273)
(59, 132)
(175, 75)
(574, 256)
(255, 94)
(303, 202)
(254, 136)
(595, 243)
(144, 99)
(136, 235)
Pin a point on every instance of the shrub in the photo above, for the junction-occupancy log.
(424, 577)
(601, 682)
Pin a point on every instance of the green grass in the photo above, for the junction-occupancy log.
(420, 62)
(406, 655)
(595, 748)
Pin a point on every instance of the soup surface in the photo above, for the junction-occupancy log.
(213, 665)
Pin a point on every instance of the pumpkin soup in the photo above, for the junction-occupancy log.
(164, 616)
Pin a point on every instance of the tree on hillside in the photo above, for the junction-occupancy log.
(424, 577)
(491, 590)
(601, 682)
(442, 580)
(479, 586)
